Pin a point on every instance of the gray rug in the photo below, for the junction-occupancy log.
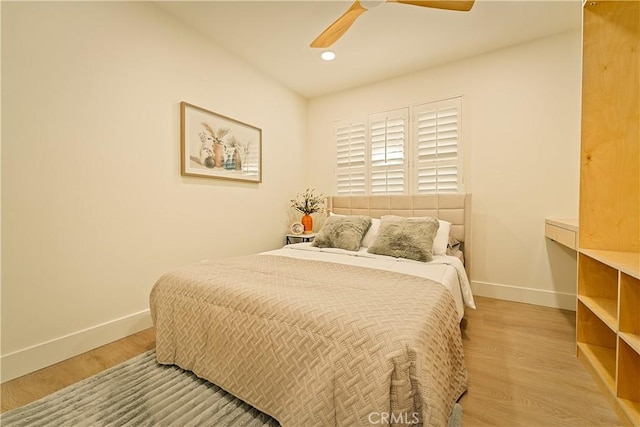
(140, 392)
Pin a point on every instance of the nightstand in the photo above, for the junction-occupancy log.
(297, 238)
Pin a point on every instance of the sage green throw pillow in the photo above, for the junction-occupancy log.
(343, 232)
(406, 237)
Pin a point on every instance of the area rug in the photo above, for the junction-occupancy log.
(141, 392)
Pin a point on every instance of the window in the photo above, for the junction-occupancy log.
(390, 154)
(387, 141)
(351, 158)
(436, 141)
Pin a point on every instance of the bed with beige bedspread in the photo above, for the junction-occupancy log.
(315, 343)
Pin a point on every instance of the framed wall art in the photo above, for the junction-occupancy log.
(215, 146)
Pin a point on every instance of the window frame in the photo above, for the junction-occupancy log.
(399, 121)
(411, 162)
(456, 161)
(350, 172)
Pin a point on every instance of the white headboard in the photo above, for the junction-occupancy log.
(455, 208)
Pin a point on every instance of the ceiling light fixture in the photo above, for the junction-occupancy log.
(370, 4)
(328, 55)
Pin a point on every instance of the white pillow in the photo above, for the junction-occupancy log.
(368, 238)
(442, 238)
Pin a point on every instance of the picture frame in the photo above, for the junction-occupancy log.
(216, 146)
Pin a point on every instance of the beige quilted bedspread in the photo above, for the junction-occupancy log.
(314, 343)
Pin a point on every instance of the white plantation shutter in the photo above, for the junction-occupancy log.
(386, 155)
(351, 158)
(436, 143)
(387, 137)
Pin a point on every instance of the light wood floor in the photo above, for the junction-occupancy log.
(523, 369)
(521, 362)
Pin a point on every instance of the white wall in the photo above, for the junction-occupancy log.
(521, 133)
(94, 209)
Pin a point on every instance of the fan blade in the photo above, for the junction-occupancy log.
(460, 5)
(339, 27)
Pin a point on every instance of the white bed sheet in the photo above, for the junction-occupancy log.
(444, 269)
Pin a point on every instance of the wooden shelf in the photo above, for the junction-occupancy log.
(602, 360)
(631, 408)
(632, 341)
(628, 387)
(606, 309)
(598, 343)
(598, 288)
(627, 262)
(630, 311)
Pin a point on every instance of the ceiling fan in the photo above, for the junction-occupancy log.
(342, 24)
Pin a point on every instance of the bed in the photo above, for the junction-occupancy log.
(323, 336)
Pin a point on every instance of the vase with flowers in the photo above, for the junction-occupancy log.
(308, 203)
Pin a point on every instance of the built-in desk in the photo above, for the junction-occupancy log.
(563, 231)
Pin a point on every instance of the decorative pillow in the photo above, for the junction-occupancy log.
(406, 237)
(442, 238)
(368, 238)
(344, 232)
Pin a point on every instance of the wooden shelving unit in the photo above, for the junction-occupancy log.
(629, 317)
(608, 307)
(608, 324)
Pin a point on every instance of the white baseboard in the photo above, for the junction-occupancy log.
(30, 359)
(527, 295)
(22, 362)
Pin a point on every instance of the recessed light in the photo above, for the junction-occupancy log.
(370, 4)
(328, 55)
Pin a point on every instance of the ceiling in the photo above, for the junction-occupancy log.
(386, 41)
